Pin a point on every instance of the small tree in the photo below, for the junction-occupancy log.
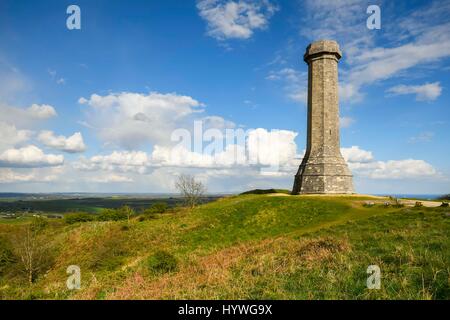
(128, 212)
(32, 249)
(190, 189)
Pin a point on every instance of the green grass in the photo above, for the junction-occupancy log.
(248, 247)
(266, 191)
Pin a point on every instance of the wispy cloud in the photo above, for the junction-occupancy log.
(427, 91)
(422, 137)
(53, 75)
(293, 82)
(346, 122)
(235, 19)
(417, 38)
(13, 82)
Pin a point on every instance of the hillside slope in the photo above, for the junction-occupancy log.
(249, 247)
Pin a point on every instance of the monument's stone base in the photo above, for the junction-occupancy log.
(318, 176)
(323, 184)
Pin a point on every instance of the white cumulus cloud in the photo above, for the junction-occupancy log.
(275, 147)
(130, 120)
(71, 144)
(355, 154)
(260, 148)
(26, 117)
(28, 157)
(121, 161)
(394, 169)
(11, 136)
(43, 111)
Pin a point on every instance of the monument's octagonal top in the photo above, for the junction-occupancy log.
(323, 47)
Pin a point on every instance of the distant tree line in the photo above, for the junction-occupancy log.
(122, 213)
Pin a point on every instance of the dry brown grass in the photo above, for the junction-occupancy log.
(227, 273)
(195, 274)
(321, 249)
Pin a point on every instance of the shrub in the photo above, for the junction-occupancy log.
(158, 207)
(112, 215)
(38, 223)
(6, 255)
(444, 197)
(71, 218)
(444, 204)
(162, 262)
(108, 258)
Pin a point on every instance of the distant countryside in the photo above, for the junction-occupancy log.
(16, 205)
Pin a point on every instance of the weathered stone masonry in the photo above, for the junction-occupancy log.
(323, 169)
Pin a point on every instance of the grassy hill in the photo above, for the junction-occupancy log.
(270, 246)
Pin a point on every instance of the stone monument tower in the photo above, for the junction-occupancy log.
(323, 169)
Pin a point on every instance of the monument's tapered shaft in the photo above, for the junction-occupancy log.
(323, 169)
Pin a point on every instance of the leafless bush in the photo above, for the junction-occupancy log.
(190, 189)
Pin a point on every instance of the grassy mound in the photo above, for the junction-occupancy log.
(246, 247)
(266, 191)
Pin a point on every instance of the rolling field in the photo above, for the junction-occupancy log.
(244, 247)
(91, 205)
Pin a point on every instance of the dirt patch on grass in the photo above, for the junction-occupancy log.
(425, 203)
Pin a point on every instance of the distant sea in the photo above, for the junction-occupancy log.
(414, 196)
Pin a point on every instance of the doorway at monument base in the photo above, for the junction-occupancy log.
(332, 177)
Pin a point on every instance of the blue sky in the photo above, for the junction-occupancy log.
(95, 109)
